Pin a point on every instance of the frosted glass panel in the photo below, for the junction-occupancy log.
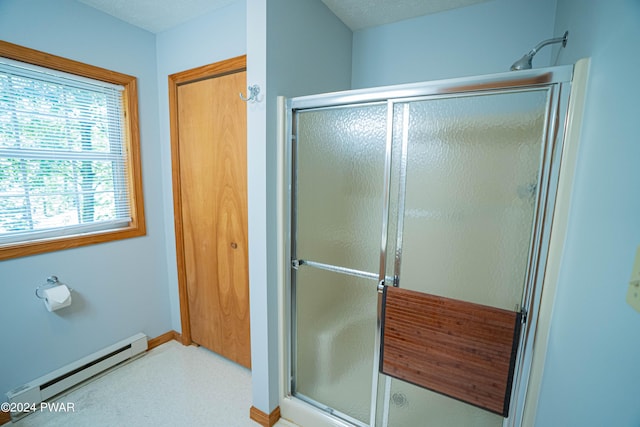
(413, 406)
(340, 164)
(472, 175)
(336, 326)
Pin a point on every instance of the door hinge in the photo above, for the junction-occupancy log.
(523, 316)
(393, 281)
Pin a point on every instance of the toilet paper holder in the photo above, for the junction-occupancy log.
(51, 282)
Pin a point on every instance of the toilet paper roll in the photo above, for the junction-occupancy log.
(56, 297)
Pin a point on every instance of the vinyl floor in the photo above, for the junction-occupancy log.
(171, 385)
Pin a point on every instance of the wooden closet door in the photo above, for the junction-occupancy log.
(213, 194)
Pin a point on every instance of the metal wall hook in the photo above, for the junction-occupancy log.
(254, 91)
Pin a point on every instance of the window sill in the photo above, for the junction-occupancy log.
(34, 247)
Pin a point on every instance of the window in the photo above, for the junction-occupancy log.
(69, 154)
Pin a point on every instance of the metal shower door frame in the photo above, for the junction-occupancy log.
(557, 80)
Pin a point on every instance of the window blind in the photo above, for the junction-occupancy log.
(63, 159)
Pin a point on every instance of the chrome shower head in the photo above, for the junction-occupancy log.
(524, 63)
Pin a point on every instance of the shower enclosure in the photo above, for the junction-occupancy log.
(446, 188)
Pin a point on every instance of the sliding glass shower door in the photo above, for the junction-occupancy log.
(340, 164)
(467, 197)
(445, 189)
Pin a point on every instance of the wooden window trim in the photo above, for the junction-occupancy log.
(132, 140)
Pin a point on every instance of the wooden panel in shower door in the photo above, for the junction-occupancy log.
(460, 349)
(213, 193)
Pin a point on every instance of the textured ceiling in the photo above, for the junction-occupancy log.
(156, 15)
(360, 14)
(159, 15)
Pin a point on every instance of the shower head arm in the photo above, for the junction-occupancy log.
(542, 44)
(524, 63)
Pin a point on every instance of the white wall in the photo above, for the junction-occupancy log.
(592, 371)
(213, 37)
(480, 39)
(121, 287)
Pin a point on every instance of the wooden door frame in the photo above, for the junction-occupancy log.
(232, 65)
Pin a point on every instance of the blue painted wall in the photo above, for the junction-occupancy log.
(480, 39)
(591, 376)
(121, 287)
(592, 371)
(213, 37)
(303, 49)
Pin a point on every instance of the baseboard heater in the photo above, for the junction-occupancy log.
(54, 383)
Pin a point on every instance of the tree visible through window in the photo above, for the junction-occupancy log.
(66, 164)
